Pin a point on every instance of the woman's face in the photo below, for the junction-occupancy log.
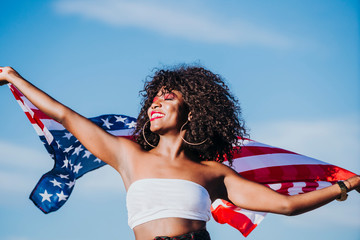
(167, 112)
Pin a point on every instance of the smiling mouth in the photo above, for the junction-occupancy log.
(156, 115)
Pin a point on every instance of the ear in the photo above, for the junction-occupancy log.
(189, 116)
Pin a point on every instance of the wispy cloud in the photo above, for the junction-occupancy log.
(21, 167)
(17, 238)
(175, 20)
(12, 182)
(17, 156)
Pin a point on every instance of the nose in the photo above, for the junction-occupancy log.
(156, 103)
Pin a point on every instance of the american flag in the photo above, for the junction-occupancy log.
(284, 171)
(72, 159)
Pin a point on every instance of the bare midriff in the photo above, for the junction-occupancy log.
(167, 227)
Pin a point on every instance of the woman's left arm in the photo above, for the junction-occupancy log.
(254, 196)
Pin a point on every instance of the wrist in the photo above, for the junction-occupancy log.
(343, 191)
(347, 184)
(353, 182)
(13, 77)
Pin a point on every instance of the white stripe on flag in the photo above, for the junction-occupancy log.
(121, 132)
(323, 184)
(273, 160)
(28, 103)
(297, 188)
(23, 107)
(52, 124)
(38, 130)
(49, 137)
(275, 186)
(254, 216)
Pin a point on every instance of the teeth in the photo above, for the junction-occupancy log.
(157, 115)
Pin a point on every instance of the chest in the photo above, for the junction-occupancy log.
(198, 173)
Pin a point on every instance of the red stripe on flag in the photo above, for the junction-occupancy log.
(247, 151)
(310, 186)
(41, 115)
(15, 92)
(235, 219)
(39, 122)
(31, 119)
(297, 173)
(35, 120)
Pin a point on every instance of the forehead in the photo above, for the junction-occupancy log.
(163, 91)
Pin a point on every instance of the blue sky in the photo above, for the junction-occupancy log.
(293, 65)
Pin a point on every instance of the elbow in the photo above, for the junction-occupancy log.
(62, 115)
(288, 208)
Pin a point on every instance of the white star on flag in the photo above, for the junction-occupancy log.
(62, 196)
(131, 125)
(77, 150)
(120, 119)
(56, 183)
(66, 163)
(67, 135)
(87, 154)
(63, 176)
(45, 196)
(107, 123)
(77, 168)
(97, 160)
(70, 184)
(68, 149)
(58, 144)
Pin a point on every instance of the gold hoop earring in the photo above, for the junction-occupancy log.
(193, 144)
(143, 132)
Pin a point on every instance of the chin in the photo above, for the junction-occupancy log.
(155, 128)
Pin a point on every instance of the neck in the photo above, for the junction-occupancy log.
(170, 146)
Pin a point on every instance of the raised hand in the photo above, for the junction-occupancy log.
(6, 74)
(354, 183)
(2, 81)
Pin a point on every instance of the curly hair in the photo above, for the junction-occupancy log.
(216, 114)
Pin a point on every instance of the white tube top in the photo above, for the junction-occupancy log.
(155, 198)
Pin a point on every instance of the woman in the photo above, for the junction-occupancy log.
(187, 126)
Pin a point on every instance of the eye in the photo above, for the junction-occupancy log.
(169, 96)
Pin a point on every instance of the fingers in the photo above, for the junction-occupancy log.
(3, 82)
(2, 79)
(357, 183)
(6, 74)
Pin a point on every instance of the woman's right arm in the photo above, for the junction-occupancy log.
(103, 145)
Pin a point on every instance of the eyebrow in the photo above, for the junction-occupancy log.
(164, 94)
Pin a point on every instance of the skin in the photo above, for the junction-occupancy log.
(169, 160)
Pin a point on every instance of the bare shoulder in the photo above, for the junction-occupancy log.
(129, 145)
(219, 168)
(127, 151)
